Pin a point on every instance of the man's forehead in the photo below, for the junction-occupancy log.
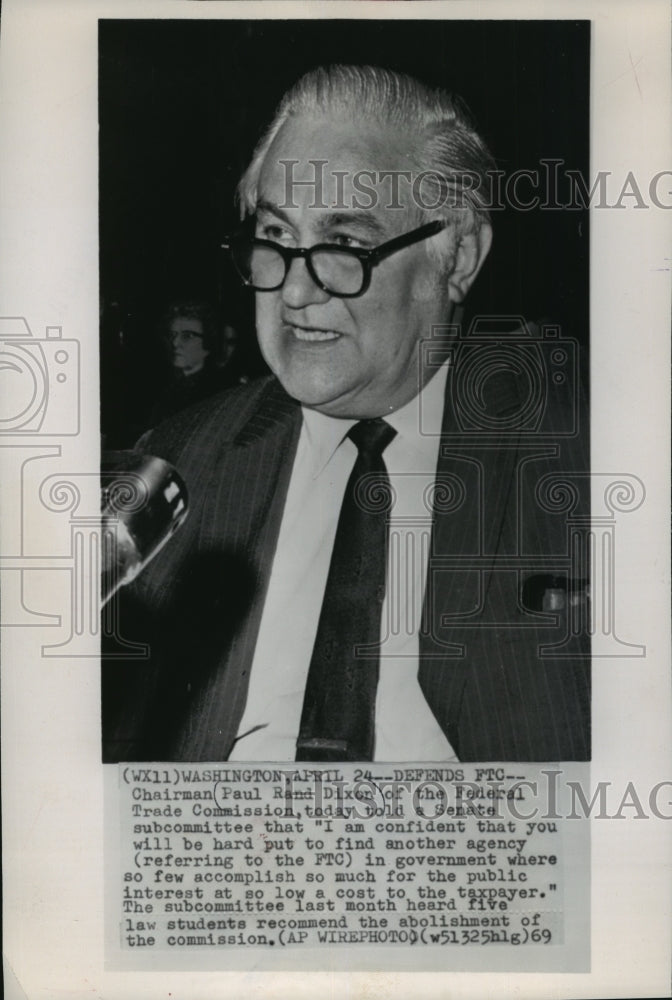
(337, 164)
(344, 144)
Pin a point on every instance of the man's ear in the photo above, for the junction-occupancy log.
(471, 251)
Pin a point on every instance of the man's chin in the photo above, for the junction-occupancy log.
(316, 394)
(343, 405)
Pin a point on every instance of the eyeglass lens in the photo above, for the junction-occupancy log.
(264, 268)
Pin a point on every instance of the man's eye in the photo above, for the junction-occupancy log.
(345, 240)
(273, 232)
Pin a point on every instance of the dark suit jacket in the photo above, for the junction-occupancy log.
(505, 680)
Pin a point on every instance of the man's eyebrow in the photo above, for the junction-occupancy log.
(364, 221)
(267, 206)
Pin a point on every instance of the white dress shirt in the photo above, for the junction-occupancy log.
(405, 727)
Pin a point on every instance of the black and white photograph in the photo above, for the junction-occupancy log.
(385, 554)
(334, 479)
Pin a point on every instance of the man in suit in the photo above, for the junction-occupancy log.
(298, 615)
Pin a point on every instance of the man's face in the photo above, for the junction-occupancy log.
(355, 357)
(186, 338)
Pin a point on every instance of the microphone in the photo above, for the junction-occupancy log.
(143, 502)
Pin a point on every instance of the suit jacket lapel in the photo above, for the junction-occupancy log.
(241, 512)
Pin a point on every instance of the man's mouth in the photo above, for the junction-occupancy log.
(312, 334)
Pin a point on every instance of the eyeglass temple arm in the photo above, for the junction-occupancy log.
(406, 240)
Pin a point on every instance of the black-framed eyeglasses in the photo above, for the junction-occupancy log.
(341, 271)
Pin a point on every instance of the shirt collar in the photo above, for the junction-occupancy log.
(422, 417)
(323, 435)
(420, 420)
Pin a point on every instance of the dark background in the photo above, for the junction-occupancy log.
(182, 104)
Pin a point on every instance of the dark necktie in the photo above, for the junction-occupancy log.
(337, 722)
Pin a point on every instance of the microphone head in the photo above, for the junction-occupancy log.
(144, 501)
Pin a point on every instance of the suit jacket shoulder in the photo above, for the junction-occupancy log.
(218, 419)
(195, 610)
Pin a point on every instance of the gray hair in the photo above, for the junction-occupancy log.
(453, 160)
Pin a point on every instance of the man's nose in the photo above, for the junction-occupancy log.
(300, 289)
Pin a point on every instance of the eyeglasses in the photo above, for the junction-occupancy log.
(341, 271)
(182, 336)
